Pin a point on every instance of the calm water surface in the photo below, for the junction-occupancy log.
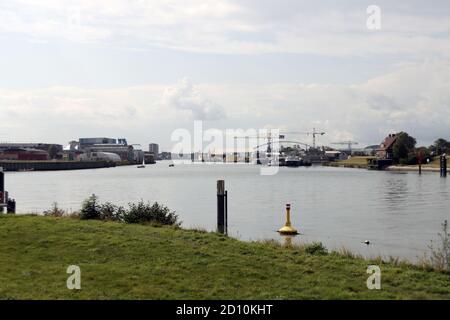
(398, 212)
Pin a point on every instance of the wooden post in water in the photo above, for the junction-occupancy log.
(420, 162)
(443, 165)
(2, 189)
(221, 207)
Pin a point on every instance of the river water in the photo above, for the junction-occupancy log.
(399, 213)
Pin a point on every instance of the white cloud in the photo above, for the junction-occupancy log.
(231, 26)
(415, 98)
(184, 96)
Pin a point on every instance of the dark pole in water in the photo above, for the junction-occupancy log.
(420, 162)
(2, 188)
(221, 205)
(11, 206)
(443, 165)
(226, 212)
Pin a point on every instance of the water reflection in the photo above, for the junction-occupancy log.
(395, 192)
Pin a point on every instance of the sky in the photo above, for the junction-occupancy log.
(141, 69)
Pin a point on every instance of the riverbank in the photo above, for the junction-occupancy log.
(361, 163)
(53, 165)
(56, 165)
(412, 168)
(122, 261)
(353, 162)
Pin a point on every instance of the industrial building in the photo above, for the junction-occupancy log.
(86, 142)
(119, 147)
(99, 156)
(30, 151)
(24, 154)
(154, 148)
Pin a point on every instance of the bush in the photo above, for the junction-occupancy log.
(90, 208)
(150, 213)
(316, 248)
(440, 256)
(55, 211)
(111, 212)
(136, 213)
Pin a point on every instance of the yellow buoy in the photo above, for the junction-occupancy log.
(288, 229)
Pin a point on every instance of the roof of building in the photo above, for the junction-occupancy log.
(388, 141)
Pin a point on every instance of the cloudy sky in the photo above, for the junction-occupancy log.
(142, 68)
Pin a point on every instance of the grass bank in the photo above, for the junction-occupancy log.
(353, 162)
(124, 261)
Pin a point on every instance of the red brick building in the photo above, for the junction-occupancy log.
(23, 154)
(386, 147)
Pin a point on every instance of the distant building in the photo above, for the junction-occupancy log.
(99, 156)
(154, 148)
(119, 147)
(122, 141)
(86, 142)
(386, 147)
(149, 158)
(371, 150)
(165, 156)
(54, 151)
(126, 153)
(24, 154)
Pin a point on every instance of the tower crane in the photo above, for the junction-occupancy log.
(348, 143)
(313, 133)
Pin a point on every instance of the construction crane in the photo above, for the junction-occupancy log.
(348, 143)
(313, 133)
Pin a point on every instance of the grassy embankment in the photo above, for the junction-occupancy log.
(353, 162)
(122, 261)
(361, 162)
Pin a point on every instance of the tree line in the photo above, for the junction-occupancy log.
(405, 150)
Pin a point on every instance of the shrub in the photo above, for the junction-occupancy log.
(55, 211)
(440, 256)
(316, 248)
(111, 212)
(136, 213)
(150, 213)
(90, 208)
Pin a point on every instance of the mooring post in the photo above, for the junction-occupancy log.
(420, 162)
(221, 205)
(443, 165)
(11, 206)
(2, 189)
(226, 212)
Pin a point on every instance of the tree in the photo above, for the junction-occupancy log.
(402, 147)
(441, 146)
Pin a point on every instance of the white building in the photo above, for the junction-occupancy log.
(99, 156)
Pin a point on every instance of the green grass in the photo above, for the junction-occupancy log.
(436, 163)
(353, 162)
(121, 261)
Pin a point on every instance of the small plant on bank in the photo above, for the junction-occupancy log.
(55, 211)
(111, 212)
(150, 213)
(440, 256)
(316, 248)
(90, 208)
